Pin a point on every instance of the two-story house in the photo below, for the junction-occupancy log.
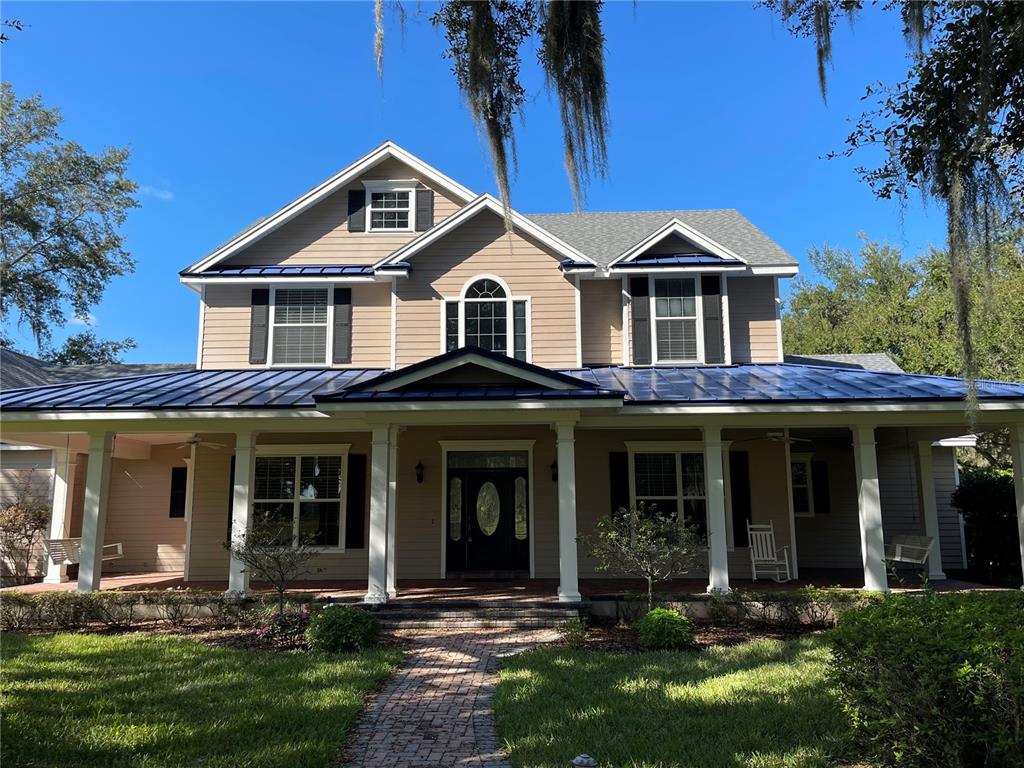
(387, 369)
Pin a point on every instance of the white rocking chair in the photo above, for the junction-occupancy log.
(765, 557)
(909, 549)
(69, 551)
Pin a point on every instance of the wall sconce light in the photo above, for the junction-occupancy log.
(554, 471)
(419, 471)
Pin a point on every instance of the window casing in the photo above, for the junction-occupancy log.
(300, 326)
(390, 207)
(672, 477)
(302, 495)
(677, 326)
(487, 316)
(802, 483)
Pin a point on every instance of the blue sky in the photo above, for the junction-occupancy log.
(233, 109)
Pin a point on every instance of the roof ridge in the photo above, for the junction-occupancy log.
(659, 210)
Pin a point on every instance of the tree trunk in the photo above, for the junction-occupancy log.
(650, 594)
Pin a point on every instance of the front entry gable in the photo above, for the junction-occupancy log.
(471, 373)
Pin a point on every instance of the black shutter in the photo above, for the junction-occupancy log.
(355, 502)
(259, 326)
(641, 326)
(357, 210)
(618, 477)
(342, 352)
(819, 482)
(711, 298)
(179, 482)
(424, 209)
(231, 497)
(739, 490)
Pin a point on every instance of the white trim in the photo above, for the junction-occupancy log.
(328, 361)
(789, 499)
(510, 301)
(467, 446)
(965, 441)
(613, 401)
(698, 308)
(778, 321)
(471, 358)
(201, 336)
(739, 271)
(394, 324)
(391, 185)
(387, 150)
(481, 203)
(676, 227)
(190, 471)
(303, 449)
(959, 514)
(626, 338)
(726, 334)
(805, 459)
(579, 322)
(285, 281)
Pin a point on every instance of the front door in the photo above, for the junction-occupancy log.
(488, 515)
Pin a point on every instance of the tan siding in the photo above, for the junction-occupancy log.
(601, 321)
(752, 329)
(320, 235)
(225, 329)
(138, 513)
(481, 246)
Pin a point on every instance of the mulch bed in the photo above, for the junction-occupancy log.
(609, 636)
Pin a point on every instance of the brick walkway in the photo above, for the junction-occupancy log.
(436, 711)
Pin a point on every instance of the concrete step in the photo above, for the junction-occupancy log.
(420, 617)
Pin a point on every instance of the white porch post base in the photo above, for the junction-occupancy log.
(869, 505)
(1017, 450)
(568, 572)
(376, 588)
(241, 508)
(929, 508)
(94, 511)
(63, 472)
(718, 544)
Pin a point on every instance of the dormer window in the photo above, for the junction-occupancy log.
(675, 320)
(301, 317)
(390, 207)
(487, 316)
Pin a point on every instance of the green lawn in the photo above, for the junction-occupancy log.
(761, 704)
(145, 701)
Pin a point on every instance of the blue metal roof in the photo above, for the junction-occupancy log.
(307, 270)
(679, 260)
(707, 385)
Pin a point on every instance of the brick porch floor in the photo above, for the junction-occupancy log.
(436, 711)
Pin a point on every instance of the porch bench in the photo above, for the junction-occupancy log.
(908, 549)
(69, 551)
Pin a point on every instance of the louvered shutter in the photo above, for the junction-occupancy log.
(259, 326)
(342, 346)
(641, 326)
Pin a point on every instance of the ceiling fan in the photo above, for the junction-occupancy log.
(776, 437)
(200, 443)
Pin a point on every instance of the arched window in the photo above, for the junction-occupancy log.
(487, 316)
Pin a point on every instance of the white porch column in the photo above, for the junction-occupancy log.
(718, 543)
(392, 588)
(241, 507)
(869, 504)
(929, 507)
(63, 474)
(1017, 450)
(94, 511)
(568, 571)
(376, 588)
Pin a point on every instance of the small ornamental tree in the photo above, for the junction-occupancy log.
(640, 541)
(23, 522)
(270, 552)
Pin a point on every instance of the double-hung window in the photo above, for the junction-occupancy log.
(299, 328)
(487, 317)
(672, 483)
(676, 326)
(803, 485)
(300, 498)
(390, 209)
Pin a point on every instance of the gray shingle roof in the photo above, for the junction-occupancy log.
(21, 370)
(867, 361)
(604, 236)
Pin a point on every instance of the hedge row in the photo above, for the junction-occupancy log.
(806, 606)
(123, 610)
(935, 679)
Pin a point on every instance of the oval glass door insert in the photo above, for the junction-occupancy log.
(488, 508)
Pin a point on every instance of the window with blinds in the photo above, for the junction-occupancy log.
(675, 319)
(300, 322)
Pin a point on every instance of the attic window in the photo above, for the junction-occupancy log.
(390, 210)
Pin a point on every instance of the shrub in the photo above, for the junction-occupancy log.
(341, 628)
(573, 632)
(665, 629)
(283, 629)
(118, 610)
(23, 522)
(18, 612)
(66, 610)
(935, 679)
